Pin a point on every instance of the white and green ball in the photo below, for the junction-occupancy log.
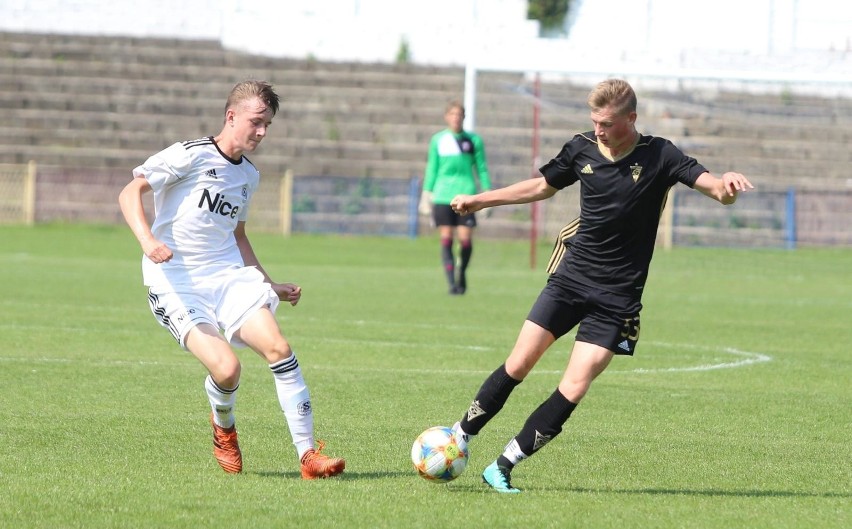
(437, 456)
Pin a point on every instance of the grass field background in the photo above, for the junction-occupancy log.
(735, 412)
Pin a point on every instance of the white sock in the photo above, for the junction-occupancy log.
(513, 452)
(462, 437)
(221, 402)
(295, 401)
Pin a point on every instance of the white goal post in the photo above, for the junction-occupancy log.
(585, 71)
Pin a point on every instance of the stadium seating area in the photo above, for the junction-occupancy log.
(109, 102)
(103, 104)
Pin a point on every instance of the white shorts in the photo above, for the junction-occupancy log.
(224, 299)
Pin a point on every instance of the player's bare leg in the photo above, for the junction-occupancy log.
(586, 363)
(262, 334)
(545, 423)
(532, 342)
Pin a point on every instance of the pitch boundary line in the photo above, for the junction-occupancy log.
(745, 358)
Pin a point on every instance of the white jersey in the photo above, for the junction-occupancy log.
(199, 197)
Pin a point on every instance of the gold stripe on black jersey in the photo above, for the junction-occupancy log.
(565, 234)
(568, 231)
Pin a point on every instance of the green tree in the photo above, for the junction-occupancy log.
(550, 13)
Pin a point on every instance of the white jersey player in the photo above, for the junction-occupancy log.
(205, 284)
(199, 197)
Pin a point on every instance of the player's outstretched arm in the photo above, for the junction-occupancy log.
(288, 292)
(130, 201)
(724, 189)
(521, 192)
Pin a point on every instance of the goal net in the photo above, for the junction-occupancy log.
(17, 193)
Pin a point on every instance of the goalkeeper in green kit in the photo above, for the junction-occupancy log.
(456, 160)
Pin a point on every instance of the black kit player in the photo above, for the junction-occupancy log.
(597, 285)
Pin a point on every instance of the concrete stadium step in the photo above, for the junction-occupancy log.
(112, 101)
(134, 67)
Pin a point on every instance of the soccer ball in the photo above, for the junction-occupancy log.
(436, 455)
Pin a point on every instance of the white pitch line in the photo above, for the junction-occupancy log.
(746, 358)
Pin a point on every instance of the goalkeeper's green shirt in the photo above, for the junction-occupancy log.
(451, 163)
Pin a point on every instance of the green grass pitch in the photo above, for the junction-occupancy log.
(735, 412)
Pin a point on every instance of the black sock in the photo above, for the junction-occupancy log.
(505, 463)
(466, 252)
(489, 400)
(545, 423)
(448, 260)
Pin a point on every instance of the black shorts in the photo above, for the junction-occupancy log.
(445, 216)
(606, 319)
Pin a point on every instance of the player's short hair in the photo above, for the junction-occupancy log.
(455, 103)
(615, 92)
(250, 89)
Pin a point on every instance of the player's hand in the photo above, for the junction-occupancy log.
(464, 204)
(157, 251)
(425, 205)
(288, 292)
(734, 183)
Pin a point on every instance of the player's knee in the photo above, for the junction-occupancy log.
(519, 368)
(574, 390)
(277, 351)
(227, 373)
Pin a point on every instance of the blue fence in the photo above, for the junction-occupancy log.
(778, 218)
(772, 218)
(366, 206)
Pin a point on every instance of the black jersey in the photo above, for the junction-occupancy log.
(620, 203)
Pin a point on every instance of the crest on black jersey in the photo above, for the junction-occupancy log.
(635, 170)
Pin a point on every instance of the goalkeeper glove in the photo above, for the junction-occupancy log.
(425, 206)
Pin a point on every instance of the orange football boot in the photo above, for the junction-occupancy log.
(316, 465)
(226, 448)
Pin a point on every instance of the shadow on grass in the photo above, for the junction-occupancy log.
(481, 488)
(714, 492)
(672, 492)
(346, 476)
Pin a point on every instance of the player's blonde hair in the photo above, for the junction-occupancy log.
(250, 89)
(455, 103)
(615, 92)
